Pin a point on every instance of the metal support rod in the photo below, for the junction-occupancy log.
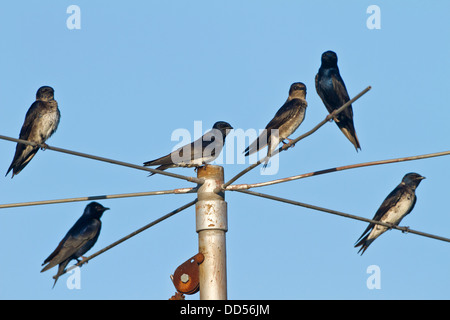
(211, 226)
(246, 186)
(102, 197)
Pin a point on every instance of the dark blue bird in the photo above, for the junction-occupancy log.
(78, 240)
(394, 208)
(41, 121)
(331, 89)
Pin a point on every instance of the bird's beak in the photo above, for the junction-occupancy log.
(421, 178)
(227, 130)
(104, 209)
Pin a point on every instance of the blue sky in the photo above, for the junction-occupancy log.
(136, 71)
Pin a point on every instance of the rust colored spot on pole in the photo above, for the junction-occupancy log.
(186, 276)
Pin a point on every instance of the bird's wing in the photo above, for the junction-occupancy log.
(24, 153)
(333, 96)
(165, 160)
(212, 143)
(326, 93)
(286, 112)
(390, 201)
(339, 87)
(33, 113)
(185, 152)
(258, 144)
(342, 95)
(75, 239)
(191, 151)
(316, 81)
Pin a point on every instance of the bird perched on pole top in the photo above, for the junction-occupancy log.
(202, 151)
(287, 119)
(331, 89)
(394, 208)
(41, 122)
(78, 240)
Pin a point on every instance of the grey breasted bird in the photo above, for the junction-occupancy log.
(394, 208)
(287, 119)
(41, 121)
(202, 151)
(331, 89)
(78, 240)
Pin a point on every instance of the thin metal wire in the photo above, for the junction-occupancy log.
(102, 197)
(151, 224)
(229, 188)
(347, 167)
(342, 214)
(329, 117)
(89, 156)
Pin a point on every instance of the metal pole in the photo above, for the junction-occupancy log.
(211, 226)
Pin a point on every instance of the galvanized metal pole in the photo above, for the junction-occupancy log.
(211, 226)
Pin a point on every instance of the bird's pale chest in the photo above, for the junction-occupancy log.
(291, 125)
(48, 121)
(398, 212)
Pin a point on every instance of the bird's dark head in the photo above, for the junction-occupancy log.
(223, 127)
(45, 93)
(329, 59)
(412, 179)
(297, 90)
(94, 210)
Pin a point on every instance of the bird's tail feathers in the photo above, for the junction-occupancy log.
(21, 161)
(352, 137)
(162, 168)
(61, 269)
(365, 233)
(159, 161)
(47, 267)
(364, 243)
(254, 147)
(266, 163)
(257, 145)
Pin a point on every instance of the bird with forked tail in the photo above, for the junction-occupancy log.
(287, 119)
(331, 89)
(41, 121)
(394, 208)
(78, 240)
(198, 153)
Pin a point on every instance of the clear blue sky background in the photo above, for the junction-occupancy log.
(138, 70)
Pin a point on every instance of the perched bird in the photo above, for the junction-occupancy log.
(78, 240)
(41, 121)
(394, 208)
(202, 151)
(287, 119)
(331, 89)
